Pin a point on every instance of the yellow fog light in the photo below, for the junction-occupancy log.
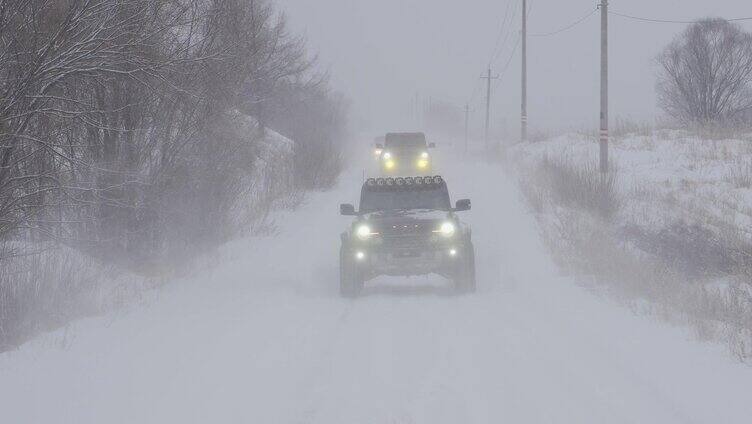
(423, 164)
(389, 164)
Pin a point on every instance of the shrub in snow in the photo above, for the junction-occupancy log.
(581, 185)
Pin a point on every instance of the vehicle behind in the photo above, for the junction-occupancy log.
(405, 154)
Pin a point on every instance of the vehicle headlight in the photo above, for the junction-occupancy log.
(363, 232)
(389, 164)
(424, 155)
(387, 156)
(377, 152)
(423, 163)
(447, 229)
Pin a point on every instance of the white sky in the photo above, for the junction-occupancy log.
(382, 52)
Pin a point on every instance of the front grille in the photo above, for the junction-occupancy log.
(406, 235)
(406, 230)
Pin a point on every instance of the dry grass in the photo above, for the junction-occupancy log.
(536, 135)
(721, 132)
(623, 127)
(674, 268)
(740, 174)
(580, 186)
(41, 291)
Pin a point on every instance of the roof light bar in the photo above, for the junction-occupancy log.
(403, 182)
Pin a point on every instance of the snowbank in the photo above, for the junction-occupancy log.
(680, 235)
(270, 185)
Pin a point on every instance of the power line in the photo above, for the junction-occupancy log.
(566, 28)
(503, 31)
(475, 92)
(488, 79)
(603, 139)
(506, 37)
(509, 61)
(523, 93)
(498, 46)
(511, 56)
(671, 21)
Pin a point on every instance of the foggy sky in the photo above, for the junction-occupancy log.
(382, 52)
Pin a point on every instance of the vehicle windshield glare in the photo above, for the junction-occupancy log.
(405, 141)
(435, 198)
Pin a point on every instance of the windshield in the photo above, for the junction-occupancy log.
(405, 141)
(406, 145)
(432, 198)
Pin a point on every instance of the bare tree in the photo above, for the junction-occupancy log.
(131, 132)
(70, 77)
(706, 72)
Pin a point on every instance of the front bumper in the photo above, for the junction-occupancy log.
(406, 261)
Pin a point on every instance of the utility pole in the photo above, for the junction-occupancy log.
(467, 120)
(417, 110)
(523, 117)
(488, 79)
(604, 87)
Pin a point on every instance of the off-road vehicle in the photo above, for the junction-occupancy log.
(406, 226)
(405, 154)
(378, 147)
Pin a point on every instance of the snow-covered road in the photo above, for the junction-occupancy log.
(265, 338)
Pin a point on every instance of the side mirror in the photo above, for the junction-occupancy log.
(431, 145)
(347, 209)
(462, 205)
(379, 146)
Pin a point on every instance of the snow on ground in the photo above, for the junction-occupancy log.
(669, 176)
(265, 338)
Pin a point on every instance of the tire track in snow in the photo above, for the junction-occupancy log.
(319, 369)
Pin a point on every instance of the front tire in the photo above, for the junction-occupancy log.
(350, 278)
(464, 281)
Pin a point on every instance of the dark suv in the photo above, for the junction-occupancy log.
(406, 226)
(405, 154)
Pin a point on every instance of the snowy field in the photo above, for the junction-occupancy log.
(668, 175)
(265, 338)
